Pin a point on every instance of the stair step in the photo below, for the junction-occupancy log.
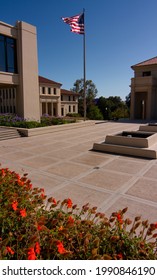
(8, 133)
(6, 138)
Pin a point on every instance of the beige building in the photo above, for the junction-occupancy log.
(144, 90)
(55, 101)
(22, 91)
(19, 88)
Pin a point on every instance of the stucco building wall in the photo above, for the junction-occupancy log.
(22, 91)
(25, 81)
(144, 90)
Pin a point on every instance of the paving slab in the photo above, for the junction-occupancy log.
(63, 163)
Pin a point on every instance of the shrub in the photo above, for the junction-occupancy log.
(46, 120)
(94, 113)
(34, 227)
(73, 115)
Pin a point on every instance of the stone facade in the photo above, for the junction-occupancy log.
(55, 101)
(144, 90)
(19, 88)
(22, 91)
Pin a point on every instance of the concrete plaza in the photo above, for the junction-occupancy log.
(63, 164)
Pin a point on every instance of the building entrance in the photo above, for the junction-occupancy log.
(140, 105)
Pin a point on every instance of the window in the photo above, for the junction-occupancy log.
(49, 90)
(62, 111)
(73, 98)
(61, 97)
(43, 90)
(13, 93)
(69, 98)
(146, 73)
(43, 108)
(10, 93)
(74, 109)
(55, 91)
(8, 58)
(69, 109)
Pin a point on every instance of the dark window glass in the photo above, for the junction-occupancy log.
(146, 73)
(43, 90)
(49, 90)
(55, 91)
(10, 93)
(2, 54)
(8, 59)
(13, 93)
(61, 97)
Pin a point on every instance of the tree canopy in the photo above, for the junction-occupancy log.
(91, 93)
(109, 108)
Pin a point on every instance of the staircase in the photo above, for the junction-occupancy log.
(9, 133)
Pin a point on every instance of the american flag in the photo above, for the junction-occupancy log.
(76, 23)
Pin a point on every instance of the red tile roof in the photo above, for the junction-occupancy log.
(68, 92)
(150, 61)
(43, 80)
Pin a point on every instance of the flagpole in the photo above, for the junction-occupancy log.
(84, 68)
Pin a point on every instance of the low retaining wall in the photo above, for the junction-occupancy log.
(54, 128)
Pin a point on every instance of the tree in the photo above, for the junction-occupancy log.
(128, 100)
(91, 93)
(94, 113)
(103, 106)
(112, 107)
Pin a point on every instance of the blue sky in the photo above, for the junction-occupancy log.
(119, 33)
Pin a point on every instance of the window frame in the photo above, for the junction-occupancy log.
(8, 63)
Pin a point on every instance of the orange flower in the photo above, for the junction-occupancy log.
(37, 248)
(14, 205)
(31, 254)
(39, 227)
(3, 172)
(17, 176)
(69, 203)
(9, 250)
(23, 213)
(60, 247)
(119, 218)
(71, 220)
(120, 256)
(60, 228)
(42, 193)
(54, 201)
(20, 183)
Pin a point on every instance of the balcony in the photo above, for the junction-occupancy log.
(144, 81)
(9, 78)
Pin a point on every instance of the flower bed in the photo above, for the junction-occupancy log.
(36, 228)
(11, 120)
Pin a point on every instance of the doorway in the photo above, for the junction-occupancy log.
(140, 105)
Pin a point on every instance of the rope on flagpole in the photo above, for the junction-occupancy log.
(84, 68)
